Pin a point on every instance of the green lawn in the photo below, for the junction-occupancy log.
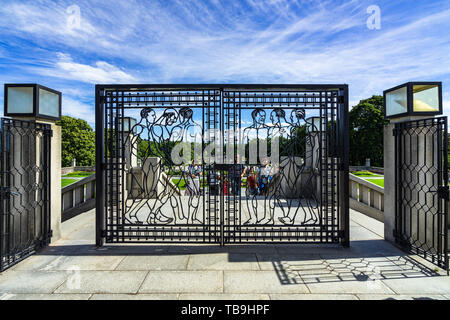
(379, 182)
(364, 174)
(180, 184)
(66, 182)
(79, 174)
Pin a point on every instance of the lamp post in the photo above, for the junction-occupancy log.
(127, 125)
(127, 128)
(413, 99)
(32, 100)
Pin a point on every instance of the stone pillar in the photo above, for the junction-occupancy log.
(389, 174)
(130, 149)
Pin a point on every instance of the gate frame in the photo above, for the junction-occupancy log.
(442, 190)
(342, 135)
(46, 228)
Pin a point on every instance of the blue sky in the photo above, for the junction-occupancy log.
(248, 41)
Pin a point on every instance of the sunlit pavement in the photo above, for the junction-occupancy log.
(72, 268)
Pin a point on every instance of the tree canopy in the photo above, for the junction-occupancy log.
(366, 132)
(78, 142)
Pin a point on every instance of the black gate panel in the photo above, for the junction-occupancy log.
(149, 196)
(297, 193)
(422, 189)
(24, 193)
(178, 163)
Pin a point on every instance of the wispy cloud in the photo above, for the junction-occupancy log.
(101, 72)
(253, 41)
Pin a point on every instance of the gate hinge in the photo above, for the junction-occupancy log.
(50, 233)
(103, 233)
(443, 192)
(395, 132)
(340, 99)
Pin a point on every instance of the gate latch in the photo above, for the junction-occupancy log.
(443, 192)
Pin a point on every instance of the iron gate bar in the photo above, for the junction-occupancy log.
(411, 188)
(218, 111)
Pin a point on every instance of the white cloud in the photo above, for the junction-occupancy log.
(101, 72)
(254, 41)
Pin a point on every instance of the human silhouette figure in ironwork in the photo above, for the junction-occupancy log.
(186, 132)
(305, 199)
(251, 135)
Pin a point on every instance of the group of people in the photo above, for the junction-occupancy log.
(257, 180)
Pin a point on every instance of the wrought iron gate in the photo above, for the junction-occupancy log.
(24, 192)
(422, 188)
(222, 163)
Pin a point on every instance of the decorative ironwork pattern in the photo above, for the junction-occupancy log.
(24, 193)
(191, 167)
(422, 188)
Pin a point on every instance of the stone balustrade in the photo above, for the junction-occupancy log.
(78, 197)
(366, 197)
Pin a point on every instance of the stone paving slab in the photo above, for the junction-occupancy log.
(262, 282)
(223, 261)
(12, 281)
(266, 248)
(292, 249)
(36, 262)
(365, 248)
(228, 248)
(372, 225)
(154, 262)
(370, 269)
(349, 287)
(134, 249)
(269, 262)
(140, 296)
(223, 296)
(103, 282)
(86, 232)
(43, 296)
(85, 263)
(196, 249)
(183, 282)
(420, 285)
(361, 233)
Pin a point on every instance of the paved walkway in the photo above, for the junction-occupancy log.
(72, 268)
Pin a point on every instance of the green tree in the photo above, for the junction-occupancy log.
(366, 131)
(78, 142)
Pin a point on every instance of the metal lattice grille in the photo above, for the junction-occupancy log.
(422, 188)
(24, 194)
(299, 195)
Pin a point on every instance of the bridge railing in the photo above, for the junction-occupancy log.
(366, 197)
(78, 197)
